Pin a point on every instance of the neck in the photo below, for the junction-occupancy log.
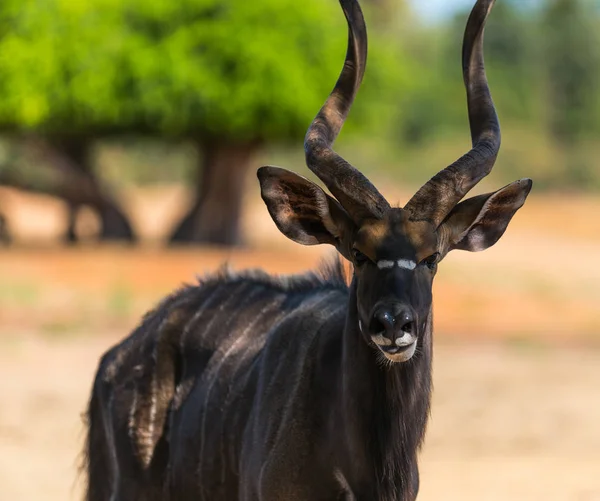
(384, 410)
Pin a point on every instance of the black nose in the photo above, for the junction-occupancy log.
(391, 325)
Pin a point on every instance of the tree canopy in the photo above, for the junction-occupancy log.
(239, 70)
(249, 70)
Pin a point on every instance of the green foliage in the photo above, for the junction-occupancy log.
(233, 68)
(543, 66)
(260, 69)
(572, 57)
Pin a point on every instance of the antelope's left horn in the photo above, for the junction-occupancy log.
(439, 195)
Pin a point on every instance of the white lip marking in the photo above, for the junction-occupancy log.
(385, 264)
(406, 264)
(405, 340)
(360, 325)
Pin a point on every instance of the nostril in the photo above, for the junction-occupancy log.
(408, 327)
(382, 321)
(406, 322)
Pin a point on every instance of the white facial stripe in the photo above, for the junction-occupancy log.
(401, 263)
(406, 264)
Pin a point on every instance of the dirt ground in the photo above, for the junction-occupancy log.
(516, 411)
(508, 422)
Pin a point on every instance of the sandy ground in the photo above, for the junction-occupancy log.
(508, 422)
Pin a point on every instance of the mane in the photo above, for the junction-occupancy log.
(331, 274)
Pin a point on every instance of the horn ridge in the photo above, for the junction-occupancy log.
(440, 194)
(352, 189)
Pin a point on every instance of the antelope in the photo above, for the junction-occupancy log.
(257, 388)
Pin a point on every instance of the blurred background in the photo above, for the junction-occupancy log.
(130, 134)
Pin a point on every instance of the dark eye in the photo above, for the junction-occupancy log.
(431, 261)
(359, 257)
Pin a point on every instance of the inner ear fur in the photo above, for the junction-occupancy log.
(478, 222)
(302, 211)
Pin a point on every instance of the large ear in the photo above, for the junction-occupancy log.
(479, 222)
(302, 211)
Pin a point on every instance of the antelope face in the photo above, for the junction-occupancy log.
(395, 251)
(395, 260)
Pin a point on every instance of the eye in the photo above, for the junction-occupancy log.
(431, 261)
(359, 257)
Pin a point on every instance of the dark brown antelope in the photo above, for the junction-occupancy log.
(249, 387)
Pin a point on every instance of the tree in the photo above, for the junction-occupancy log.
(4, 233)
(231, 75)
(570, 55)
(572, 62)
(60, 167)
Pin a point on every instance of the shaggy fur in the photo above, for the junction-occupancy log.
(248, 386)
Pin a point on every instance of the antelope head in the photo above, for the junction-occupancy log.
(395, 251)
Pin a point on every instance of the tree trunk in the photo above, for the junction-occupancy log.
(215, 215)
(4, 233)
(70, 236)
(114, 223)
(65, 172)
